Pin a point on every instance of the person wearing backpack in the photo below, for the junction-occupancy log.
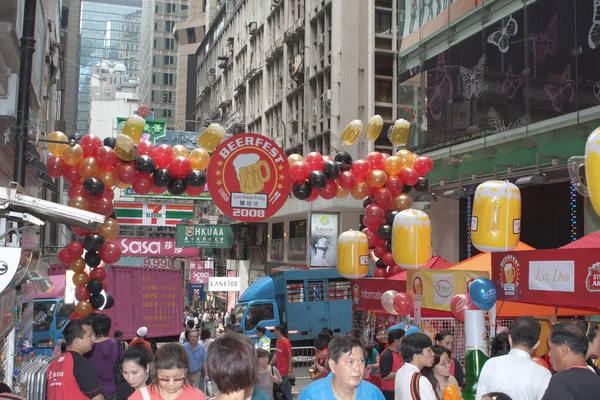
(417, 354)
(105, 357)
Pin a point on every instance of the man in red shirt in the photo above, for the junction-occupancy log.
(283, 360)
(71, 376)
(390, 362)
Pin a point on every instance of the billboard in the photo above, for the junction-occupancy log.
(323, 240)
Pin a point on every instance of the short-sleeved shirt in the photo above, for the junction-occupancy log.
(264, 381)
(188, 393)
(258, 394)
(282, 356)
(138, 340)
(71, 376)
(321, 390)
(104, 357)
(573, 384)
(197, 357)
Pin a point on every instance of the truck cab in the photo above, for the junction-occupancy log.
(50, 316)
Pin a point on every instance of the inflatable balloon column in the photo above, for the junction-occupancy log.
(591, 161)
(496, 219)
(477, 353)
(353, 254)
(411, 239)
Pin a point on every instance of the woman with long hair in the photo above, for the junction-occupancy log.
(267, 375)
(593, 336)
(136, 372)
(439, 373)
(169, 380)
(446, 339)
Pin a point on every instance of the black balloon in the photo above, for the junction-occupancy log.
(97, 300)
(406, 188)
(95, 286)
(301, 191)
(92, 259)
(161, 177)
(110, 301)
(76, 137)
(331, 169)
(113, 215)
(384, 231)
(196, 178)
(145, 164)
(379, 264)
(368, 201)
(110, 142)
(93, 242)
(317, 179)
(422, 186)
(177, 187)
(390, 216)
(388, 246)
(93, 186)
(344, 159)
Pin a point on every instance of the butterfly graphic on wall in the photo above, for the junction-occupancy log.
(497, 124)
(546, 43)
(501, 37)
(472, 80)
(596, 90)
(563, 93)
(442, 89)
(594, 35)
(512, 83)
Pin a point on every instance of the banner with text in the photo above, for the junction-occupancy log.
(223, 284)
(366, 293)
(153, 247)
(200, 276)
(210, 236)
(152, 214)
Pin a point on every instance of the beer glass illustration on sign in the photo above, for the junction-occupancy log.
(496, 219)
(411, 239)
(252, 173)
(591, 162)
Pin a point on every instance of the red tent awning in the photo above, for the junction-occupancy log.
(435, 263)
(591, 241)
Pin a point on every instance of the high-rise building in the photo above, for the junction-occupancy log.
(110, 30)
(158, 62)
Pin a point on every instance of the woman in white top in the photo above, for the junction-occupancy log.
(439, 373)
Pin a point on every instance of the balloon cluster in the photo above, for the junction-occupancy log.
(94, 168)
(396, 303)
(482, 295)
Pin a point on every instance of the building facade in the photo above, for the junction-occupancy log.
(110, 30)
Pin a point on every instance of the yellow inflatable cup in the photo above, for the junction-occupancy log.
(353, 254)
(411, 239)
(591, 161)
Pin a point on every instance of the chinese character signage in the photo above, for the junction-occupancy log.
(153, 247)
(152, 130)
(200, 276)
(323, 238)
(152, 214)
(211, 236)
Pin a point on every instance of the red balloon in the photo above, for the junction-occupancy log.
(388, 259)
(71, 174)
(105, 286)
(375, 211)
(76, 189)
(394, 184)
(373, 239)
(379, 251)
(142, 184)
(127, 172)
(163, 155)
(371, 223)
(110, 253)
(423, 165)
(461, 303)
(347, 180)
(314, 195)
(375, 160)
(90, 144)
(383, 197)
(65, 257)
(328, 158)
(330, 190)
(403, 303)
(299, 171)
(75, 250)
(74, 316)
(98, 273)
(385, 157)
(102, 205)
(315, 161)
(180, 167)
(394, 269)
(360, 169)
(107, 158)
(80, 231)
(190, 190)
(108, 193)
(409, 176)
(56, 166)
(146, 148)
(82, 293)
(366, 231)
(380, 273)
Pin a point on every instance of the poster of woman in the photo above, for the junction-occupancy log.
(323, 240)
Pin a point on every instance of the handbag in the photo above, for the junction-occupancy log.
(277, 391)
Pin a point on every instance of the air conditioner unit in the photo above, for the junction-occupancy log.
(321, 40)
(252, 27)
(327, 96)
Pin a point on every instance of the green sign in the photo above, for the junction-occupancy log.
(153, 130)
(129, 192)
(210, 236)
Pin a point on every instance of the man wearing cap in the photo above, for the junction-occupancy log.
(141, 339)
(263, 342)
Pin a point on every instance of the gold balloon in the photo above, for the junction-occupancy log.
(402, 202)
(80, 279)
(406, 157)
(360, 191)
(88, 167)
(341, 193)
(84, 308)
(109, 229)
(374, 127)
(292, 158)
(352, 132)
(376, 178)
(57, 148)
(180, 150)
(80, 202)
(415, 156)
(392, 165)
(73, 155)
(199, 159)
(77, 265)
(110, 177)
(123, 185)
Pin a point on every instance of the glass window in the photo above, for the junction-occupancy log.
(277, 230)
(339, 289)
(295, 291)
(316, 291)
(383, 22)
(239, 313)
(191, 35)
(257, 313)
(43, 315)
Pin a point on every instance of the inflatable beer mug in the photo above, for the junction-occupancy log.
(411, 239)
(352, 132)
(496, 219)
(211, 137)
(353, 254)
(252, 172)
(134, 126)
(591, 161)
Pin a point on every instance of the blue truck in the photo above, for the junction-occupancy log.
(50, 316)
(305, 300)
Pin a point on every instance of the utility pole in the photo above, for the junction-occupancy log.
(27, 50)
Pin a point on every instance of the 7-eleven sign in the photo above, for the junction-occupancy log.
(152, 214)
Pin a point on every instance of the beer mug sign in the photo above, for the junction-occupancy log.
(591, 161)
(411, 239)
(353, 254)
(496, 218)
(252, 173)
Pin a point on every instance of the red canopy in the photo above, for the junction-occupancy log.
(435, 263)
(591, 241)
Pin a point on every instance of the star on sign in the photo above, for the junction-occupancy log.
(218, 173)
(280, 167)
(219, 182)
(220, 163)
(280, 186)
(281, 177)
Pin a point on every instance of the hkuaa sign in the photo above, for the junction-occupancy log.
(210, 236)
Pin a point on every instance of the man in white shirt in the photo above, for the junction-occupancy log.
(417, 354)
(516, 374)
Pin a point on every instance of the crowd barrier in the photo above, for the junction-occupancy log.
(33, 377)
(302, 360)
